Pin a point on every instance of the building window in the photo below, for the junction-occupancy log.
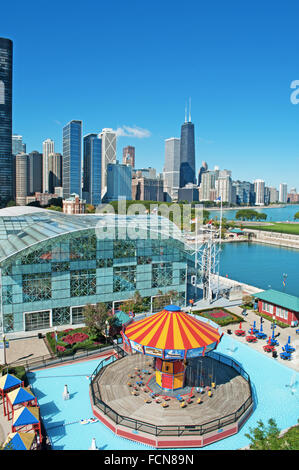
(124, 249)
(124, 278)
(8, 322)
(162, 274)
(7, 295)
(267, 307)
(77, 315)
(37, 257)
(2, 92)
(37, 320)
(83, 248)
(144, 260)
(83, 283)
(60, 267)
(37, 287)
(105, 263)
(182, 276)
(61, 316)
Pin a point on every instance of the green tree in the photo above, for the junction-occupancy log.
(95, 317)
(267, 437)
(296, 216)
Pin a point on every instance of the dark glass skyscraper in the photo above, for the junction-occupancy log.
(6, 188)
(35, 170)
(72, 151)
(92, 169)
(187, 154)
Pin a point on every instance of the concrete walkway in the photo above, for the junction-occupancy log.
(284, 333)
(25, 348)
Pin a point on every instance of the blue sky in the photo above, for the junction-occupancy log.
(135, 63)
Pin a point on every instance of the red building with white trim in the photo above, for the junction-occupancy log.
(280, 306)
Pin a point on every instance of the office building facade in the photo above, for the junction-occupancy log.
(21, 178)
(18, 145)
(108, 137)
(48, 150)
(187, 154)
(72, 159)
(203, 169)
(129, 156)
(6, 181)
(171, 171)
(259, 189)
(92, 169)
(119, 182)
(35, 172)
(283, 192)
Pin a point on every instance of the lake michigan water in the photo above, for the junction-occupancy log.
(262, 265)
(278, 214)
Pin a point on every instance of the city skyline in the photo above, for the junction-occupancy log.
(241, 106)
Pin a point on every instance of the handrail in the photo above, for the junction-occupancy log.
(50, 359)
(170, 429)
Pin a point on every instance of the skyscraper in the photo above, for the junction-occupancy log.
(6, 183)
(224, 188)
(187, 153)
(283, 192)
(108, 137)
(208, 179)
(119, 182)
(48, 149)
(35, 172)
(171, 173)
(259, 189)
(92, 169)
(21, 178)
(55, 171)
(129, 156)
(17, 144)
(72, 151)
(203, 169)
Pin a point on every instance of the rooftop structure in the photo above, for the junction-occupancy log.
(52, 264)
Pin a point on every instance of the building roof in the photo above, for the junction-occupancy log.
(172, 329)
(22, 227)
(290, 302)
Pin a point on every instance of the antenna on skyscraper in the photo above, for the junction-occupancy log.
(189, 109)
(186, 111)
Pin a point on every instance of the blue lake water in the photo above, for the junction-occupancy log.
(275, 214)
(274, 398)
(261, 265)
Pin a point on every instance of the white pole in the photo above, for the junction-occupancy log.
(93, 444)
(220, 241)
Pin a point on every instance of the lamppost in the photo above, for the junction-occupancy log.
(106, 330)
(4, 348)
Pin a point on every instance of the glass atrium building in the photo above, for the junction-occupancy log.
(53, 264)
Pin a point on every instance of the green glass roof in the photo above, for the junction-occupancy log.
(22, 227)
(290, 302)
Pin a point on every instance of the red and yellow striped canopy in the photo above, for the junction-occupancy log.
(175, 330)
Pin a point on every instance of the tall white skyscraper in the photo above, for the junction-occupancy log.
(108, 137)
(259, 189)
(171, 173)
(224, 188)
(48, 149)
(207, 184)
(283, 192)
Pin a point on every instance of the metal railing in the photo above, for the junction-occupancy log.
(174, 430)
(52, 359)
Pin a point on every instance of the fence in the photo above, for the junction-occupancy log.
(152, 429)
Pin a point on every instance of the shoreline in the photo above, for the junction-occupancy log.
(272, 206)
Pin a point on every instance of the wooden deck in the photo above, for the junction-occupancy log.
(232, 390)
